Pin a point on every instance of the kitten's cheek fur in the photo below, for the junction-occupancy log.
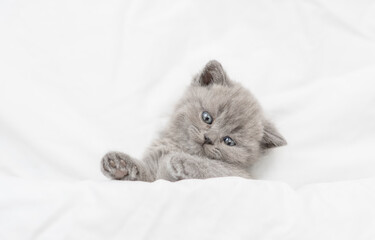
(195, 135)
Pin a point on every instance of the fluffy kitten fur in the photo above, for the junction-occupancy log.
(192, 147)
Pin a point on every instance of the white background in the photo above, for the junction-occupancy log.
(80, 78)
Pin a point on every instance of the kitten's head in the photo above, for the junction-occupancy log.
(219, 119)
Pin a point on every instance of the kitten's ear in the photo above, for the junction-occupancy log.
(271, 137)
(212, 73)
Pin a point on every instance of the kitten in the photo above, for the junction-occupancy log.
(217, 129)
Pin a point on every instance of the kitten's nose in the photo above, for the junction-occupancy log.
(207, 140)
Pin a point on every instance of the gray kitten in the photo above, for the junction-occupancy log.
(217, 129)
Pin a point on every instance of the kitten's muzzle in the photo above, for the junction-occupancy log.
(207, 140)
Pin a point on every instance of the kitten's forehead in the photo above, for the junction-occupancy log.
(228, 102)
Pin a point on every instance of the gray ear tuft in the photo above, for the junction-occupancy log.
(271, 137)
(212, 73)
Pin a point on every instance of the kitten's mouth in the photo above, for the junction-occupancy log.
(205, 146)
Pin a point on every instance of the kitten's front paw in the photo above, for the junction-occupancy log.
(179, 167)
(120, 166)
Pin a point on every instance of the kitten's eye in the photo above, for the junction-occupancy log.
(228, 141)
(206, 117)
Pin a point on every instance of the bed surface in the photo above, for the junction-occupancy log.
(222, 208)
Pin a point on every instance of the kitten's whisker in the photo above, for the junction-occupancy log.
(217, 153)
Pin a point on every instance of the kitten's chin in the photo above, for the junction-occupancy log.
(211, 152)
(198, 149)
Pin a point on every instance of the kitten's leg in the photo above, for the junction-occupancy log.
(178, 166)
(120, 166)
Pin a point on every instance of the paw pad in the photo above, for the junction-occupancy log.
(119, 166)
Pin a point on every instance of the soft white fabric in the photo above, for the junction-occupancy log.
(222, 208)
(79, 78)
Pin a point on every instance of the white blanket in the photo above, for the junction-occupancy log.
(79, 78)
(222, 208)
